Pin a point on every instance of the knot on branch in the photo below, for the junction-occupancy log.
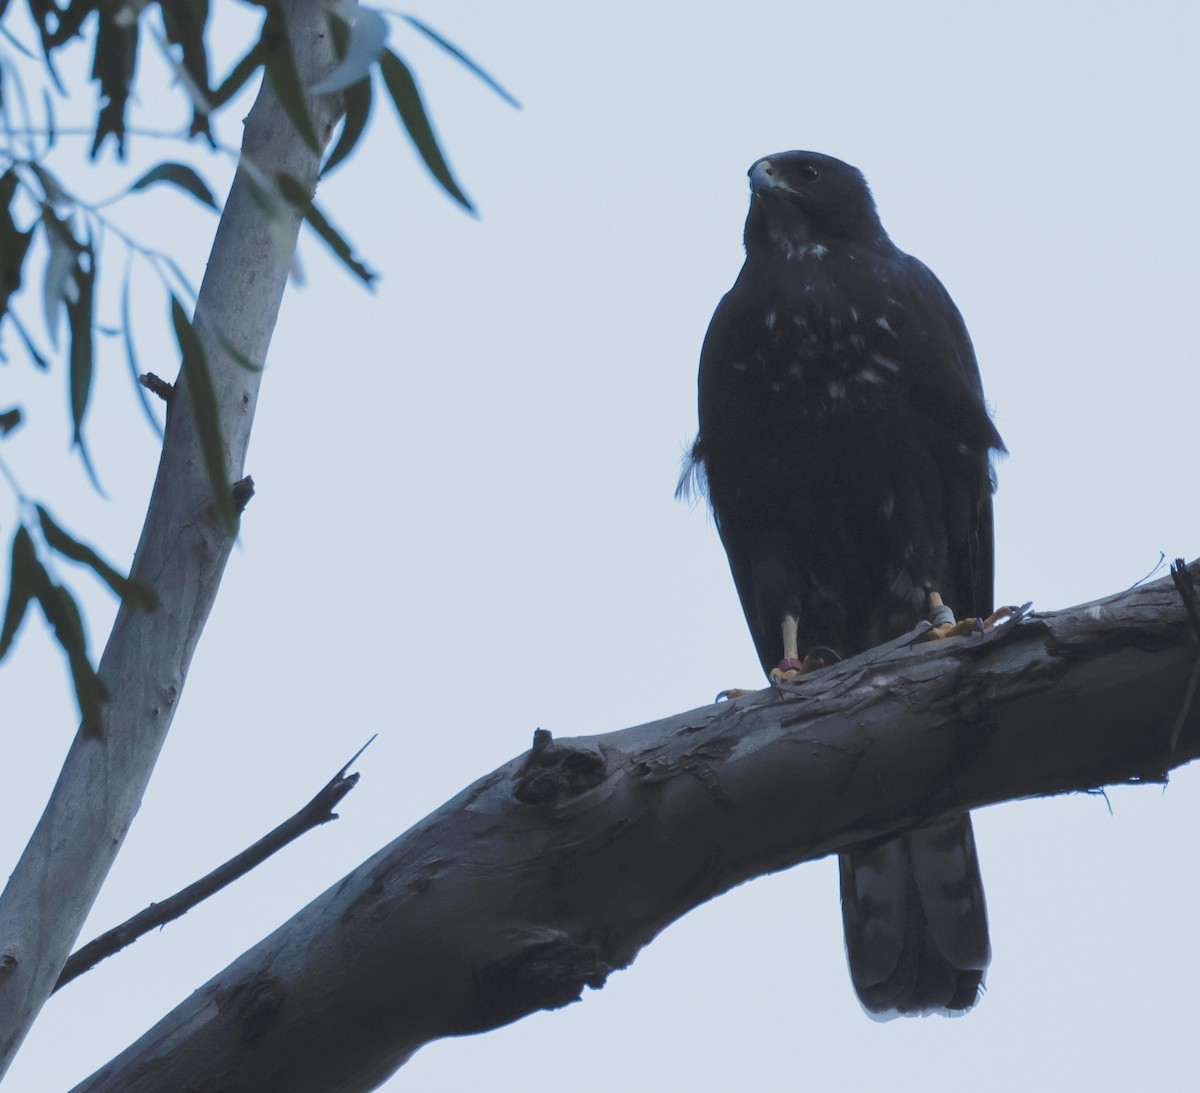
(545, 974)
(256, 1004)
(243, 490)
(556, 772)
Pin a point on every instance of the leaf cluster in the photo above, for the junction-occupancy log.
(30, 581)
(34, 200)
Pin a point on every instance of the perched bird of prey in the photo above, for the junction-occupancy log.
(845, 445)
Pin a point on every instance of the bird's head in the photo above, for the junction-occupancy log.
(803, 198)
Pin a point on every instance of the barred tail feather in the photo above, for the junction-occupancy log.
(916, 923)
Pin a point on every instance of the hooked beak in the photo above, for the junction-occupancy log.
(763, 177)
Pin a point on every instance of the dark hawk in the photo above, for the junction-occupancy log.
(845, 444)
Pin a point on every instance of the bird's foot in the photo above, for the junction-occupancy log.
(792, 667)
(732, 693)
(946, 626)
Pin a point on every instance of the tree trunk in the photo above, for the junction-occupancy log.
(553, 871)
(181, 555)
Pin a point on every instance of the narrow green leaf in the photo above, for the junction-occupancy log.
(132, 592)
(61, 611)
(368, 33)
(405, 94)
(180, 277)
(32, 349)
(65, 21)
(81, 357)
(178, 174)
(16, 43)
(79, 315)
(295, 193)
(185, 23)
(51, 128)
(55, 192)
(14, 244)
(63, 248)
(461, 57)
(114, 63)
(9, 420)
(204, 412)
(358, 109)
(131, 357)
(285, 82)
(25, 576)
(239, 75)
(43, 13)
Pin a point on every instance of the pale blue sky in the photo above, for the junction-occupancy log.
(464, 526)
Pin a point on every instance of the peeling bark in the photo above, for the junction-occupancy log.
(552, 872)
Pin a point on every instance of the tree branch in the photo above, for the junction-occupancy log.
(181, 556)
(318, 811)
(553, 871)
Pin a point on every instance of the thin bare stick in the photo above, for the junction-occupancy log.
(318, 811)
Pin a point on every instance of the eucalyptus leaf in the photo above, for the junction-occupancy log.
(61, 611)
(14, 243)
(461, 57)
(131, 357)
(368, 34)
(82, 355)
(59, 265)
(25, 576)
(177, 174)
(358, 109)
(285, 81)
(132, 592)
(205, 412)
(407, 98)
(296, 194)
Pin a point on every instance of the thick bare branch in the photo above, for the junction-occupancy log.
(181, 556)
(554, 870)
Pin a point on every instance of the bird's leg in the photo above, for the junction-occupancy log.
(945, 626)
(792, 666)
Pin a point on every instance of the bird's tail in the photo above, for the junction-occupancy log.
(915, 922)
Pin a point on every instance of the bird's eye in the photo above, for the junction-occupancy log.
(808, 172)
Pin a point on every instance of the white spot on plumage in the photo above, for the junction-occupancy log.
(796, 252)
(885, 362)
(857, 341)
(771, 319)
(869, 375)
(853, 314)
(837, 389)
(884, 325)
(889, 505)
(834, 322)
(799, 321)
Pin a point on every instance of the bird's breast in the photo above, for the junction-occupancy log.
(814, 357)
